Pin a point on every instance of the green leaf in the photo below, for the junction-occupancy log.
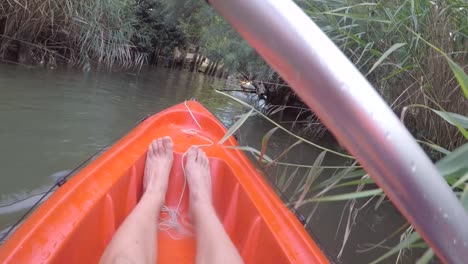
(453, 118)
(385, 55)
(265, 140)
(400, 70)
(414, 13)
(282, 128)
(454, 162)
(314, 172)
(364, 17)
(349, 7)
(288, 181)
(347, 173)
(355, 182)
(464, 198)
(403, 244)
(460, 74)
(236, 126)
(335, 179)
(460, 181)
(435, 147)
(254, 152)
(426, 257)
(447, 117)
(458, 71)
(345, 197)
(283, 153)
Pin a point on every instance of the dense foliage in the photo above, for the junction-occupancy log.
(406, 48)
(76, 32)
(390, 43)
(158, 34)
(386, 40)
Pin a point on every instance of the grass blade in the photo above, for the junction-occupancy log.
(283, 153)
(349, 172)
(235, 126)
(460, 74)
(344, 197)
(284, 129)
(453, 118)
(435, 147)
(282, 178)
(454, 162)
(385, 55)
(364, 17)
(265, 140)
(445, 117)
(460, 181)
(313, 174)
(380, 243)
(288, 182)
(355, 182)
(426, 257)
(254, 152)
(336, 179)
(414, 237)
(349, 7)
(457, 70)
(464, 198)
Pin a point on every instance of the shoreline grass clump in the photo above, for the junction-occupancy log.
(452, 147)
(307, 185)
(388, 42)
(391, 43)
(73, 32)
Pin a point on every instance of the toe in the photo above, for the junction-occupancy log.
(207, 161)
(167, 141)
(160, 146)
(151, 150)
(155, 147)
(199, 155)
(192, 154)
(203, 158)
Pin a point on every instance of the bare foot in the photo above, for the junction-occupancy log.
(158, 166)
(198, 177)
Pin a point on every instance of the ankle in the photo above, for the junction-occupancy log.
(200, 201)
(201, 208)
(154, 196)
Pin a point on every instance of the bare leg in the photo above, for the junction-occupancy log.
(135, 240)
(213, 244)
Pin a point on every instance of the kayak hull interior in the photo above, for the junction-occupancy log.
(77, 222)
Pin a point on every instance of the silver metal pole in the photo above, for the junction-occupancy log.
(351, 108)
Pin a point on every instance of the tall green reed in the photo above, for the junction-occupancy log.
(453, 167)
(76, 32)
(392, 43)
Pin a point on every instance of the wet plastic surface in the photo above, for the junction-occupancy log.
(77, 222)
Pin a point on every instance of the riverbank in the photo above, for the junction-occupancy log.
(95, 35)
(407, 72)
(406, 50)
(71, 32)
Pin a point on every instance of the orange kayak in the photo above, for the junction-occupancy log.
(77, 222)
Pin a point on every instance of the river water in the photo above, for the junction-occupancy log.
(51, 120)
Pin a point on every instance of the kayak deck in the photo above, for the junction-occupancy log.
(77, 222)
